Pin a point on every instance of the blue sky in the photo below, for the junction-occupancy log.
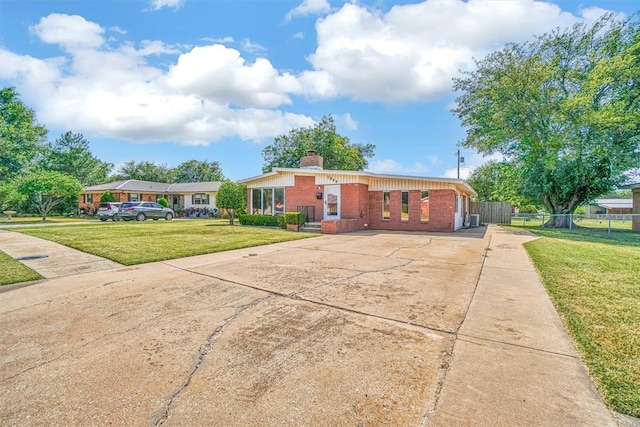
(173, 80)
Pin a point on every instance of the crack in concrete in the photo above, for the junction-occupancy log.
(510, 344)
(61, 355)
(449, 357)
(203, 350)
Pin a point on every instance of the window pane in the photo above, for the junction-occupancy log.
(405, 206)
(267, 201)
(256, 201)
(424, 206)
(133, 197)
(386, 205)
(278, 197)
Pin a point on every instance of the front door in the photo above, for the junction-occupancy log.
(331, 202)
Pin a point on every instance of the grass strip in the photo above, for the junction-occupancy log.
(13, 271)
(595, 286)
(131, 243)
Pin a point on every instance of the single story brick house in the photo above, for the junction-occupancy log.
(182, 196)
(610, 206)
(635, 207)
(346, 201)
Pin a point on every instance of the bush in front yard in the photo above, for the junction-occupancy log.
(260, 220)
(295, 218)
(162, 201)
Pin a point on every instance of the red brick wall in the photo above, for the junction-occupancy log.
(303, 193)
(335, 226)
(354, 201)
(441, 211)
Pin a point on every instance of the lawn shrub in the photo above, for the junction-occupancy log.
(281, 221)
(162, 201)
(295, 218)
(259, 220)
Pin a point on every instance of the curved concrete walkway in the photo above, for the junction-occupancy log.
(361, 329)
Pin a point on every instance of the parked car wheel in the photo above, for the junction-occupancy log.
(141, 217)
(103, 219)
(115, 217)
(168, 217)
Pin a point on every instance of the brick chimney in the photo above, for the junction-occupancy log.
(311, 161)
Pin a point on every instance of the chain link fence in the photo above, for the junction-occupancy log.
(602, 223)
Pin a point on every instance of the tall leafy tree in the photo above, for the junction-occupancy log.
(501, 182)
(21, 137)
(145, 171)
(563, 109)
(47, 189)
(338, 152)
(231, 197)
(198, 171)
(70, 154)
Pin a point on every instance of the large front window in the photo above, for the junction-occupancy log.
(88, 198)
(134, 197)
(200, 199)
(267, 201)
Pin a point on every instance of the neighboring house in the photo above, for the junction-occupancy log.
(635, 204)
(180, 196)
(345, 201)
(610, 206)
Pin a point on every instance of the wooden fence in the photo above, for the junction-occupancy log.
(492, 212)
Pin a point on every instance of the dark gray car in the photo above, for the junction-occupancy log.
(143, 210)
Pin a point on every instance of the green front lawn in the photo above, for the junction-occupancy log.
(14, 271)
(594, 282)
(4, 220)
(135, 242)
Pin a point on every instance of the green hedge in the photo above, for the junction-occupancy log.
(296, 218)
(260, 220)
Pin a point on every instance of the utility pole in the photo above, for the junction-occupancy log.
(460, 160)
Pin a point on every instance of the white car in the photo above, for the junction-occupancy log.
(109, 210)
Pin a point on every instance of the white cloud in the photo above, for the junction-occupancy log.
(348, 121)
(222, 40)
(298, 36)
(390, 166)
(220, 74)
(465, 172)
(433, 159)
(252, 47)
(411, 52)
(71, 32)
(159, 4)
(308, 7)
(117, 29)
(208, 93)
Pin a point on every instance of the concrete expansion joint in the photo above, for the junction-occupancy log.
(163, 414)
(475, 340)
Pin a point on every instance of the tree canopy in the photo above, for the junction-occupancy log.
(338, 152)
(501, 182)
(198, 171)
(70, 154)
(144, 171)
(46, 189)
(21, 137)
(231, 197)
(564, 110)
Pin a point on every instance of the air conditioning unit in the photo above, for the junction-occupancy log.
(474, 220)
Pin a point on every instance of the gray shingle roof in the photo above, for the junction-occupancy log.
(156, 187)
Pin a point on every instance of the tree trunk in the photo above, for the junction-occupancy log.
(561, 213)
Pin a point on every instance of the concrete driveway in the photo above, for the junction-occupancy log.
(369, 329)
